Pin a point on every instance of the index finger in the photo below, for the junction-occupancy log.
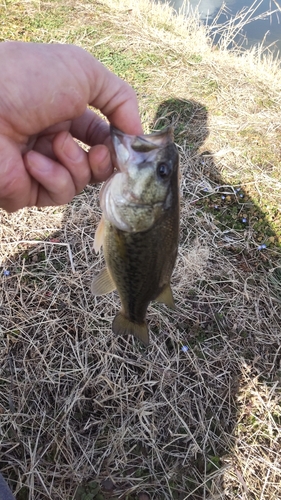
(68, 79)
(115, 98)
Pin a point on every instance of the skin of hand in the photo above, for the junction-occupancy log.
(45, 90)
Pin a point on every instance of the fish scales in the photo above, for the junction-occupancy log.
(141, 258)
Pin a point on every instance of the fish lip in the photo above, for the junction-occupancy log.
(129, 202)
(142, 205)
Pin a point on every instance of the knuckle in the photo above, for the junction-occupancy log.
(96, 132)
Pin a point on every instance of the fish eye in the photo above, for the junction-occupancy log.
(163, 170)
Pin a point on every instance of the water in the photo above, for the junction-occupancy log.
(256, 31)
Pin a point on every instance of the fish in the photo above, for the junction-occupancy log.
(139, 228)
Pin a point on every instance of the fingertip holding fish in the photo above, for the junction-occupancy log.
(139, 230)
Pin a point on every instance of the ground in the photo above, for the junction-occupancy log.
(86, 415)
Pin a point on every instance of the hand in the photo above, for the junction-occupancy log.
(44, 93)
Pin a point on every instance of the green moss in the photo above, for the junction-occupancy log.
(195, 58)
(239, 211)
(89, 491)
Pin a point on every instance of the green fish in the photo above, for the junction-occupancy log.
(139, 229)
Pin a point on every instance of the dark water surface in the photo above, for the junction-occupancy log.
(268, 28)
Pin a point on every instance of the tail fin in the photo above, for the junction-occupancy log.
(123, 326)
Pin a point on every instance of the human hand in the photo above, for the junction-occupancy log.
(44, 93)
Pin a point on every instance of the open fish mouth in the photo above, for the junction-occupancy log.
(136, 148)
(144, 143)
(143, 205)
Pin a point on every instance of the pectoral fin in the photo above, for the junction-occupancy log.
(123, 326)
(99, 236)
(103, 283)
(166, 297)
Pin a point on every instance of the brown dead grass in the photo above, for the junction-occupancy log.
(78, 405)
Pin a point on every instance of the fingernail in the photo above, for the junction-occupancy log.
(38, 161)
(71, 149)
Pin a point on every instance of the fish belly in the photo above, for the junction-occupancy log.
(141, 264)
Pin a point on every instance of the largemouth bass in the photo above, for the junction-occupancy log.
(139, 228)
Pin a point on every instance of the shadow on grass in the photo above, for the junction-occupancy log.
(80, 406)
(244, 265)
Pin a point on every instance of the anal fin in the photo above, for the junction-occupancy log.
(103, 283)
(99, 235)
(166, 297)
(123, 326)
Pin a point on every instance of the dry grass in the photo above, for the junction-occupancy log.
(81, 407)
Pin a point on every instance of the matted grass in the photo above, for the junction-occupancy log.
(86, 415)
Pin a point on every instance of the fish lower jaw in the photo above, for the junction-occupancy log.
(134, 218)
(118, 222)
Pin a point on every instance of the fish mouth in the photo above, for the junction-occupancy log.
(147, 143)
(144, 205)
(135, 203)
